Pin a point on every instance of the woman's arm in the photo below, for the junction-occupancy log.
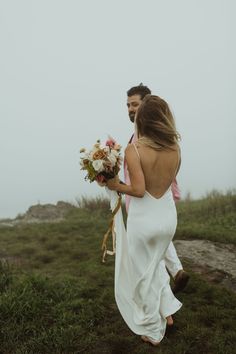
(137, 186)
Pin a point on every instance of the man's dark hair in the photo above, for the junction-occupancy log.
(139, 90)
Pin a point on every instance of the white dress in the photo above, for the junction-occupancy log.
(142, 290)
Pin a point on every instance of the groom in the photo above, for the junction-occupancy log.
(135, 95)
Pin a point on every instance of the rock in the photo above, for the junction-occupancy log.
(214, 260)
(41, 213)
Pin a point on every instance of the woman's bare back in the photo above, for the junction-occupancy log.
(159, 167)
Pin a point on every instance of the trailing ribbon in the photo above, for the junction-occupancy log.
(111, 229)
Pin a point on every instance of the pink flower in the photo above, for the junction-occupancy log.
(110, 142)
(100, 179)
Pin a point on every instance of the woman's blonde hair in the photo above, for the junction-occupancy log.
(155, 124)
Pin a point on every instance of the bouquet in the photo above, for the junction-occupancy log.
(101, 162)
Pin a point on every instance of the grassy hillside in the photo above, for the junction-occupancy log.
(57, 297)
(212, 218)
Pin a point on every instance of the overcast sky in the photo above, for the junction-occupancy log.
(65, 67)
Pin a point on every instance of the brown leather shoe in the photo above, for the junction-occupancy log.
(180, 281)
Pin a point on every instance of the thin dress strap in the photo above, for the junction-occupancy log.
(136, 149)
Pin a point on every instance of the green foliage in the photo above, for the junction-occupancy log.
(59, 298)
(212, 218)
(94, 203)
(5, 275)
(91, 173)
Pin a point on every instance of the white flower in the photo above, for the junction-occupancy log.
(114, 152)
(112, 159)
(98, 165)
(90, 154)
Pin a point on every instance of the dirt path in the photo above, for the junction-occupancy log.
(215, 261)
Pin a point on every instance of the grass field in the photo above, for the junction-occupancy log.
(57, 297)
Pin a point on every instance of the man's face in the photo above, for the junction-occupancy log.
(133, 103)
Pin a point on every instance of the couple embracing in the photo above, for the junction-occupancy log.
(145, 254)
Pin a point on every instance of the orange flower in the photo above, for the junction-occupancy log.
(99, 155)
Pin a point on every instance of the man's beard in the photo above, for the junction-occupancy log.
(131, 116)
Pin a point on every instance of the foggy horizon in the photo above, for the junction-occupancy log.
(66, 68)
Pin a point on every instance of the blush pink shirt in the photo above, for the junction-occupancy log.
(174, 186)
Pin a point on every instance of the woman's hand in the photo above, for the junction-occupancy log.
(114, 183)
(101, 184)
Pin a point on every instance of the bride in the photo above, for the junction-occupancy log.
(142, 288)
